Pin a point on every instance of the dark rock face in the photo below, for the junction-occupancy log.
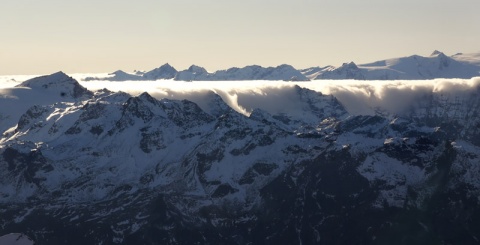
(325, 202)
(26, 165)
(31, 116)
(151, 140)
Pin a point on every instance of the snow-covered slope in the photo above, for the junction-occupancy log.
(163, 72)
(108, 167)
(313, 72)
(46, 90)
(192, 73)
(471, 58)
(282, 72)
(15, 239)
(346, 71)
(197, 73)
(118, 76)
(437, 65)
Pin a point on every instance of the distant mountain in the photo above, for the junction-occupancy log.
(346, 71)
(192, 73)
(165, 71)
(254, 72)
(117, 76)
(123, 76)
(312, 72)
(437, 65)
(197, 73)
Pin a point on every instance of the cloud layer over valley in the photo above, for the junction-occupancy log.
(359, 97)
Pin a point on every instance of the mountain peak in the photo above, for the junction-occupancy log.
(58, 81)
(350, 65)
(285, 66)
(197, 69)
(166, 71)
(145, 96)
(192, 73)
(214, 105)
(166, 65)
(118, 72)
(60, 74)
(437, 53)
(57, 77)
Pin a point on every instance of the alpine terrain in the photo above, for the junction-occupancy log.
(103, 167)
(414, 67)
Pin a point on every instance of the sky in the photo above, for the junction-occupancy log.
(42, 37)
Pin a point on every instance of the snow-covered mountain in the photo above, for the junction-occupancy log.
(346, 71)
(46, 90)
(117, 76)
(197, 73)
(192, 73)
(313, 72)
(81, 167)
(254, 72)
(414, 67)
(165, 71)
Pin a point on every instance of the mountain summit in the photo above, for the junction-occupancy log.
(59, 82)
(436, 53)
(165, 71)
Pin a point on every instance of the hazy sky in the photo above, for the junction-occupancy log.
(40, 37)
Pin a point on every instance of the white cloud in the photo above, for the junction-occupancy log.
(359, 97)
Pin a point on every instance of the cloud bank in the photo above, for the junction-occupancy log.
(358, 97)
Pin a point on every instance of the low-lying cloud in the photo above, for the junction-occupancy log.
(358, 97)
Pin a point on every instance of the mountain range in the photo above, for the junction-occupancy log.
(197, 73)
(415, 67)
(103, 167)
